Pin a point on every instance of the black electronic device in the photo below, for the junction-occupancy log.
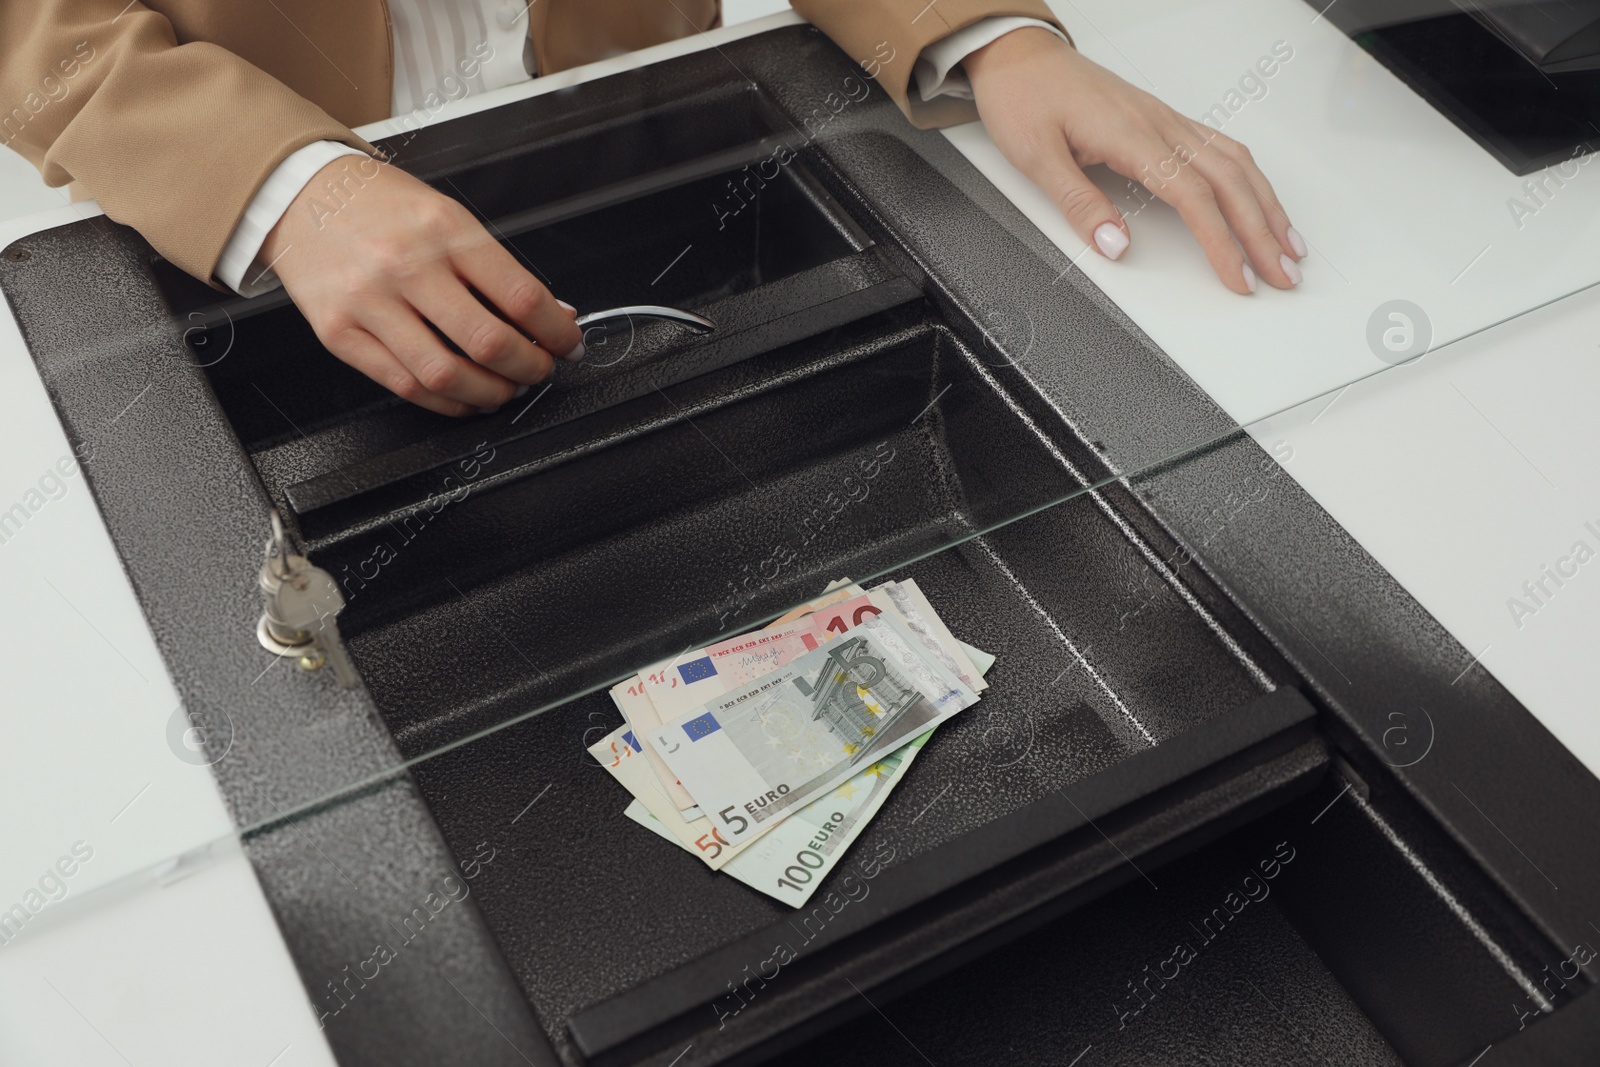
(1522, 80)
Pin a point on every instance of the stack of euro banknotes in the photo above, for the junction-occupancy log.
(765, 755)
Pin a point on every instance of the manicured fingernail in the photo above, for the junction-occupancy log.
(1291, 268)
(576, 355)
(574, 310)
(522, 390)
(1297, 242)
(1249, 278)
(1111, 239)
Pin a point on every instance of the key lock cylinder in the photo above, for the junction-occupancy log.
(301, 603)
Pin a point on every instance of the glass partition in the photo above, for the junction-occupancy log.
(918, 373)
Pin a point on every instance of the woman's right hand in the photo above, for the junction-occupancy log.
(1053, 111)
(378, 268)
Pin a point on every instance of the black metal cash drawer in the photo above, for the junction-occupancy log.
(693, 486)
(688, 486)
(899, 386)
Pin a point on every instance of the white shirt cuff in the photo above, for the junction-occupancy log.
(938, 69)
(237, 268)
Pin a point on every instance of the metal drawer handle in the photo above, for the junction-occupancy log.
(698, 323)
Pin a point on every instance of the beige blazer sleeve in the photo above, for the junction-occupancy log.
(171, 139)
(886, 36)
(175, 138)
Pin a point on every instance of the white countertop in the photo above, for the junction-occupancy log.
(1463, 474)
(184, 973)
(1395, 202)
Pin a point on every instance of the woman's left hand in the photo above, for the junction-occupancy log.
(1053, 112)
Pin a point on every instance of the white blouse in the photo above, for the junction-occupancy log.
(447, 50)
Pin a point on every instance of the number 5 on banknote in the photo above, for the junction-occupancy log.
(756, 754)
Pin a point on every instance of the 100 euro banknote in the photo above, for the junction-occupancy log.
(791, 860)
(757, 754)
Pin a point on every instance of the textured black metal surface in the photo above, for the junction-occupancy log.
(1423, 977)
(662, 355)
(1349, 904)
(1088, 989)
(1569, 1036)
(1004, 319)
(790, 270)
(1045, 722)
(506, 579)
(185, 512)
(383, 922)
(1511, 798)
(941, 893)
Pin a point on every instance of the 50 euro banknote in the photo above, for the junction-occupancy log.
(758, 753)
(792, 859)
(621, 753)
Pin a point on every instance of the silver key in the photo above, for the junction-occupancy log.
(302, 601)
(330, 643)
(302, 604)
(309, 602)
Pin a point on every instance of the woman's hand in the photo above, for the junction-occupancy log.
(378, 267)
(1052, 112)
